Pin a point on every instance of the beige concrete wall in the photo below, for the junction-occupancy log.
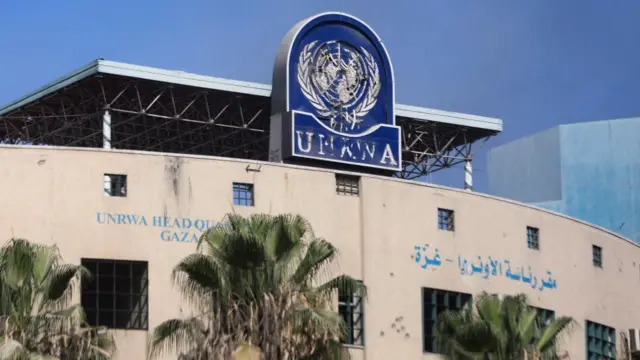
(55, 195)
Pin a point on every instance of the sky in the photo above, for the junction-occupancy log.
(534, 64)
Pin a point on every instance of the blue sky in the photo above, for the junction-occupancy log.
(534, 64)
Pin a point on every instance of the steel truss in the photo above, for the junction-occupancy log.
(149, 116)
(428, 147)
(154, 116)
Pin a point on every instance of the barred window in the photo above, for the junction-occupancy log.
(243, 194)
(533, 238)
(351, 308)
(347, 185)
(434, 303)
(445, 219)
(115, 185)
(596, 252)
(601, 341)
(117, 295)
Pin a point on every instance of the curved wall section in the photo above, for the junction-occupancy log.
(384, 233)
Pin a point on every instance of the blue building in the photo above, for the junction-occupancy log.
(590, 171)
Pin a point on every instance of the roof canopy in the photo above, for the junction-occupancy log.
(173, 111)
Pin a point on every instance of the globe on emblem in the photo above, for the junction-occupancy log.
(339, 76)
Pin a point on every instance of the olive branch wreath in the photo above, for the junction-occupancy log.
(304, 80)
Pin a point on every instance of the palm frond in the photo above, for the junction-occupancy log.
(34, 288)
(527, 327)
(198, 275)
(16, 262)
(256, 278)
(501, 328)
(333, 350)
(343, 284)
(319, 255)
(60, 278)
(176, 335)
(561, 325)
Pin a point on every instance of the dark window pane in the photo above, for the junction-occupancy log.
(138, 286)
(90, 285)
(123, 302)
(123, 318)
(123, 269)
(105, 284)
(105, 318)
(89, 302)
(91, 266)
(138, 270)
(105, 301)
(123, 285)
(111, 303)
(105, 268)
(92, 318)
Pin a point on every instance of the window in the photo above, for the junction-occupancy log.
(601, 341)
(434, 303)
(544, 318)
(115, 185)
(117, 294)
(597, 256)
(350, 307)
(445, 219)
(243, 194)
(533, 238)
(347, 185)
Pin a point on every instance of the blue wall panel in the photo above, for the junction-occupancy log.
(595, 176)
(601, 173)
(528, 169)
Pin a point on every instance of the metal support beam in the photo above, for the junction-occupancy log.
(468, 176)
(106, 130)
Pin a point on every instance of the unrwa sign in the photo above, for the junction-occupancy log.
(179, 229)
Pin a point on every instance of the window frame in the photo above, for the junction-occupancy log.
(92, 293)
(238, 189)
(596, 256)
(113, 181)
(446, 219)
(464, 300)
(349, 307)
(533, 238)
(348, 185)
(592, 338)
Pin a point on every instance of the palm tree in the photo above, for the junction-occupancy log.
(500, 329)
(37, 320)
(262, 281)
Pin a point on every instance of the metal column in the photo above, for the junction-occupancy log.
(106, 144)
(468, 175)
(106, 130)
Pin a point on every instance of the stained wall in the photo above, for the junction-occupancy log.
(56, 196)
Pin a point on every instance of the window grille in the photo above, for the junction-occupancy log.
(117, 294)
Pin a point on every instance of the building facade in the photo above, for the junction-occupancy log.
(419, 248)
(589, 171)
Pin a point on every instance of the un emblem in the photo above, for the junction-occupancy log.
(333, 96)
(340, 81)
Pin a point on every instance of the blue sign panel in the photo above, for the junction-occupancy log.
(333, 95)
